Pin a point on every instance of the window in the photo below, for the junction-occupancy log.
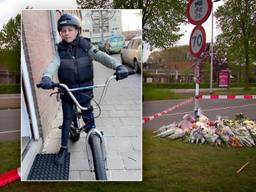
(130, 44)
(136, 44)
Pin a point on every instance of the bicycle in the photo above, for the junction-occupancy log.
(95, 144)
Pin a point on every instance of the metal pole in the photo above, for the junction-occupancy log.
(101, 26)
(211, 75)
(197, 89)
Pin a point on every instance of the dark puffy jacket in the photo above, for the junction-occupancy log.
(76, 68)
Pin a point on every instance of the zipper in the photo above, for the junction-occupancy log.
(75, 64)
(76, 68)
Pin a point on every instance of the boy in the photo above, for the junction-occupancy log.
(73, 61)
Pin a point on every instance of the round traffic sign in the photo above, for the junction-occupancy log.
(197, 41)
(198, 11)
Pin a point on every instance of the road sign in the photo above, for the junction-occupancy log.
(197, 42)
(198, 11)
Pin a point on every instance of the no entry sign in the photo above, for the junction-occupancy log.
(197, 41)
(198, 11)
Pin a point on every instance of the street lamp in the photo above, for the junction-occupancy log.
(211, 75)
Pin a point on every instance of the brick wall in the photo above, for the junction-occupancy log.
(39, 50)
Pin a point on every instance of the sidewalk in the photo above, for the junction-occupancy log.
(120, 122)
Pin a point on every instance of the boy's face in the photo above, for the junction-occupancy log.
(68, 33)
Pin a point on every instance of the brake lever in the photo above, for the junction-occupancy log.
(56, 92)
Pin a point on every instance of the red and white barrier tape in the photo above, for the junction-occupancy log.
(9, 177)
(226, 97)
(156, 115)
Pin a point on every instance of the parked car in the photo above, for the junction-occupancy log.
(132, 53)
(113, 44)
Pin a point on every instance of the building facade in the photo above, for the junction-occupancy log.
(98, 25)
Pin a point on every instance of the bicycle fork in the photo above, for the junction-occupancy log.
(89, 151)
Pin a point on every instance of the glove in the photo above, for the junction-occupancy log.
(121, 72)
(46, 82)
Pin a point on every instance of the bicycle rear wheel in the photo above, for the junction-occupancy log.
(98, 157)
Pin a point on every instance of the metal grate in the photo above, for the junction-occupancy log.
(44, 168)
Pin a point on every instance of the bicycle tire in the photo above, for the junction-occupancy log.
(98, 158)
(73, 131)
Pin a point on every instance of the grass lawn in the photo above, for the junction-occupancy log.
(9, 155)
(235, 91)
(153, 93)
(150, 94)
(167, 166)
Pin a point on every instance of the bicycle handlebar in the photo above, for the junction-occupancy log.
(53, 85)
(132, 72)
(105, 85)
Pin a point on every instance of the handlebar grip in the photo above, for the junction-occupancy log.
(53, 85)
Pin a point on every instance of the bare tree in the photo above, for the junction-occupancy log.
(94, 4)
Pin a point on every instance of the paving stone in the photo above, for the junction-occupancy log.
(87, 176)
(108, 130)
(126, 175)
(137, 143)
(132, 131)
(133, 113)
(124, 144)
(78, 146)
(128, 121)
(79, 161)
(51, 145)
(74, 175)
(132, 160)
(114, 161)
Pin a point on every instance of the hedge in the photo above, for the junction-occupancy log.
(9, 88)
(189, 85)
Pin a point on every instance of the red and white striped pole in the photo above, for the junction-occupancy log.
(197, 89)
(227, 97)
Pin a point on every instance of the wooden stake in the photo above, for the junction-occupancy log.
(239, 170)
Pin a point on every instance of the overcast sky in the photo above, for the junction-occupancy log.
(187, 29)
(130, 18)
(10, 8)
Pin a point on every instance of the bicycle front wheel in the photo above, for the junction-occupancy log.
(98, 157)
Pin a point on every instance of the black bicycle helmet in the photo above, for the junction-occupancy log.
(69, 20)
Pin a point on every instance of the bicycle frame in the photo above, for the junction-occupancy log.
(92, 130)
(69, 91)
(88, 128)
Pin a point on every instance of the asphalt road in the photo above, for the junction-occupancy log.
(211, 108)
(9, 124)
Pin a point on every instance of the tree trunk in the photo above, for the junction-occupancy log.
(246, 72)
